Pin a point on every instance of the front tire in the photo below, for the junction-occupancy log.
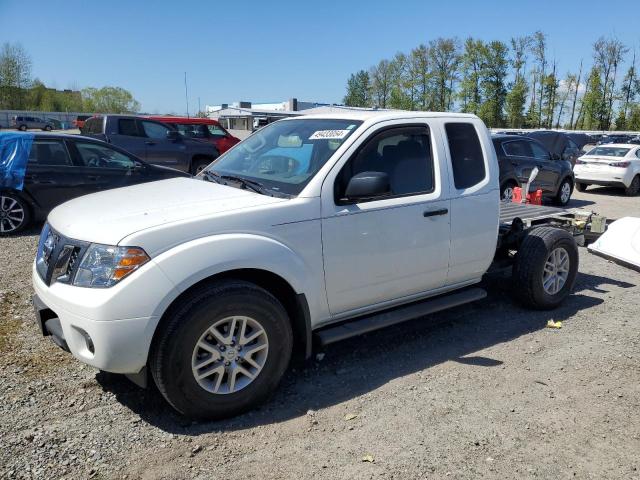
(564, 192)
(15, 214)
(222, 351)
(633, 188)
(22, 128)
(545, 268)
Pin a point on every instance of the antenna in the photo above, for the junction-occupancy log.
(186, 94)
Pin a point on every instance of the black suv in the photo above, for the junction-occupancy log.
(519, 155)
(62, 167)
(153, 141)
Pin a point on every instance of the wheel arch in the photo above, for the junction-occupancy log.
(294, 303)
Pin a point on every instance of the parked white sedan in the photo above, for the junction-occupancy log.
(616, 165)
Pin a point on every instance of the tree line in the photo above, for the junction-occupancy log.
(18, 91)
(514, 85)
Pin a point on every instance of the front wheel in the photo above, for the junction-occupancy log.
(633, 188)
(545, 268)
(22, 128)
(222, 351)
(564, 192)
(47, 128)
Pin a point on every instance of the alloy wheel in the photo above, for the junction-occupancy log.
(556, 271)
(12, 214)
(230, 355)
(565, 193)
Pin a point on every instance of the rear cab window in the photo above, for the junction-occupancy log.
(467, 159)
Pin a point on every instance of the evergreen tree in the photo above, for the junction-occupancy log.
(358, 90)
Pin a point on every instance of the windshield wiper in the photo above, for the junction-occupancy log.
(245, 182)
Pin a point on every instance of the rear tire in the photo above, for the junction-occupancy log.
(193, 365)
(581, 187)
(633, 188)
(564, 192)
(15, 214)
(47, 128)
(545, 252)
(22, 128)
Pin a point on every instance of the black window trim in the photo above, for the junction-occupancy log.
(371, 137)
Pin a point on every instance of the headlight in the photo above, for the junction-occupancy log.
(103, 265)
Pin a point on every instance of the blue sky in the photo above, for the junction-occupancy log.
(274, 50)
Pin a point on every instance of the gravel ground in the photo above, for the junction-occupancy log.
(483, 390)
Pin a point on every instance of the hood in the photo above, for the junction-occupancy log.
(107, 217)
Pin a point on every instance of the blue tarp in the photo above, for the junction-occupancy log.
(14, 155)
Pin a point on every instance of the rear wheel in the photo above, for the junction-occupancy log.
(14, 213)
(47, 128)
(564, 192)
(634, 187)
(581, 187)
(222, 351)
(22, 127)
(545, 268)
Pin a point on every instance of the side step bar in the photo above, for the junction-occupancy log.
(352, 328)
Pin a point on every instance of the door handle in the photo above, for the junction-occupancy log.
(435, 213)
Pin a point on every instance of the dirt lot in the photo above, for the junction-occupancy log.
(481, 391)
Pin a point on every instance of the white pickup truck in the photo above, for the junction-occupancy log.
(312, 230)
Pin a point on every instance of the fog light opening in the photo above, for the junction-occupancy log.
(87, 340)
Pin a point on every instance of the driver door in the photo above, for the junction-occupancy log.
(394, 247)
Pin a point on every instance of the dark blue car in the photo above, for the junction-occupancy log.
(40, 171)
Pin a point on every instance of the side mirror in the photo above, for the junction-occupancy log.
(367, 185)
(173, 135)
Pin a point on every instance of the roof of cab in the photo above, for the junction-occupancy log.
(378, 115)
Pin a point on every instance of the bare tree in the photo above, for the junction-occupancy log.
(15, 75)
(575, 96)
(608, 54)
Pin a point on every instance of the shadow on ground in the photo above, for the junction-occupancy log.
(354, 367)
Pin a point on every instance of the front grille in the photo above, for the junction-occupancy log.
(58, 257)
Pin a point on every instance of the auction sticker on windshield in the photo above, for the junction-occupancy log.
(329, 134)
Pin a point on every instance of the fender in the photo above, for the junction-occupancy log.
(193, 261)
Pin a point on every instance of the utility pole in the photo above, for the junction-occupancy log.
(199, 110)
(186, 94)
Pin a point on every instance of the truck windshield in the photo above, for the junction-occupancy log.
(284, 156)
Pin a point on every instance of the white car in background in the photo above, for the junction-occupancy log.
(616, 165)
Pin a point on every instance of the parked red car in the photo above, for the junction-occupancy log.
(202, 128)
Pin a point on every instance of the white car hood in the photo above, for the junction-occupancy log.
(107, 217)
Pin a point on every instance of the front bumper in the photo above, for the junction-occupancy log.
(89, 323)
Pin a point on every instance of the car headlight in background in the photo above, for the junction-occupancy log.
(103, 266)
